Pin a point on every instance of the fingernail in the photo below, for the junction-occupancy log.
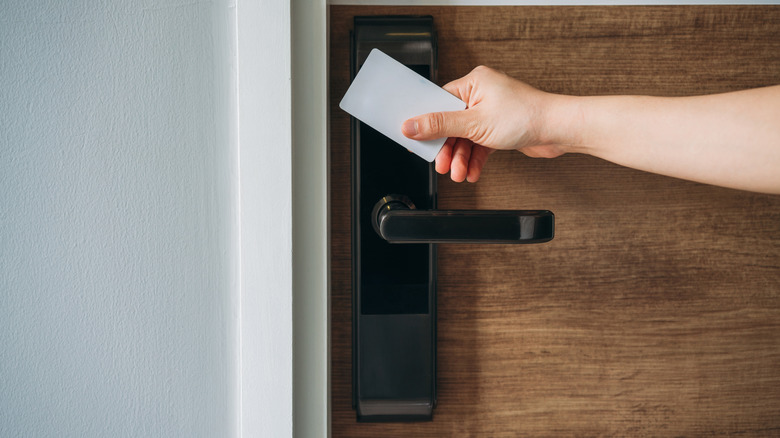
(409, 127)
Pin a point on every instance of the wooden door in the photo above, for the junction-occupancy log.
(656, 309)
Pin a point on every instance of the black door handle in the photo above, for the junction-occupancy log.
(396, 220)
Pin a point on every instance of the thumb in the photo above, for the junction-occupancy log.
(438, 125)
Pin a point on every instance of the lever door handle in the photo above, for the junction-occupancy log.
(396, 220)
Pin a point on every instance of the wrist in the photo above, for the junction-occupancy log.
(562, 123)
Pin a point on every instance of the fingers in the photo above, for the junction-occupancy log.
(444, 158)
(463, 159)
(479, 156)
(461, 153)
(438, 125)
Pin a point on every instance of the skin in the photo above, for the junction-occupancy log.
(730, 139)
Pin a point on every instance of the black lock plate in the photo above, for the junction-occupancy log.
(394, 286)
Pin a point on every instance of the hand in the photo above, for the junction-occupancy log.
(501, 113)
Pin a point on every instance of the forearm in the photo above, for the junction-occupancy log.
(730, 139)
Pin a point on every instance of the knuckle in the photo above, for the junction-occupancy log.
(473, 131)
(435, 122)
(481, 70)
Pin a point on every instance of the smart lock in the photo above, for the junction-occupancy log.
(395, 229)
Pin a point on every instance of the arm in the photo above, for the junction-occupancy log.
(730, 139)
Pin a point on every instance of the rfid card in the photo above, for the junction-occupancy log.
(385, 93)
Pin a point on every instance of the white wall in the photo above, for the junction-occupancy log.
(117, 219)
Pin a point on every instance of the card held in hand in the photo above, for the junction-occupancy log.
(385, 93)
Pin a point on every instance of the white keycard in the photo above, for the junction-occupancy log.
(385, 93)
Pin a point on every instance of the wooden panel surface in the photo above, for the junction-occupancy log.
(656, 309)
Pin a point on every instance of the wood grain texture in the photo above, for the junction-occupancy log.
(656, 308)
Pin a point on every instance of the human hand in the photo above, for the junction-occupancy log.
(501, 113)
